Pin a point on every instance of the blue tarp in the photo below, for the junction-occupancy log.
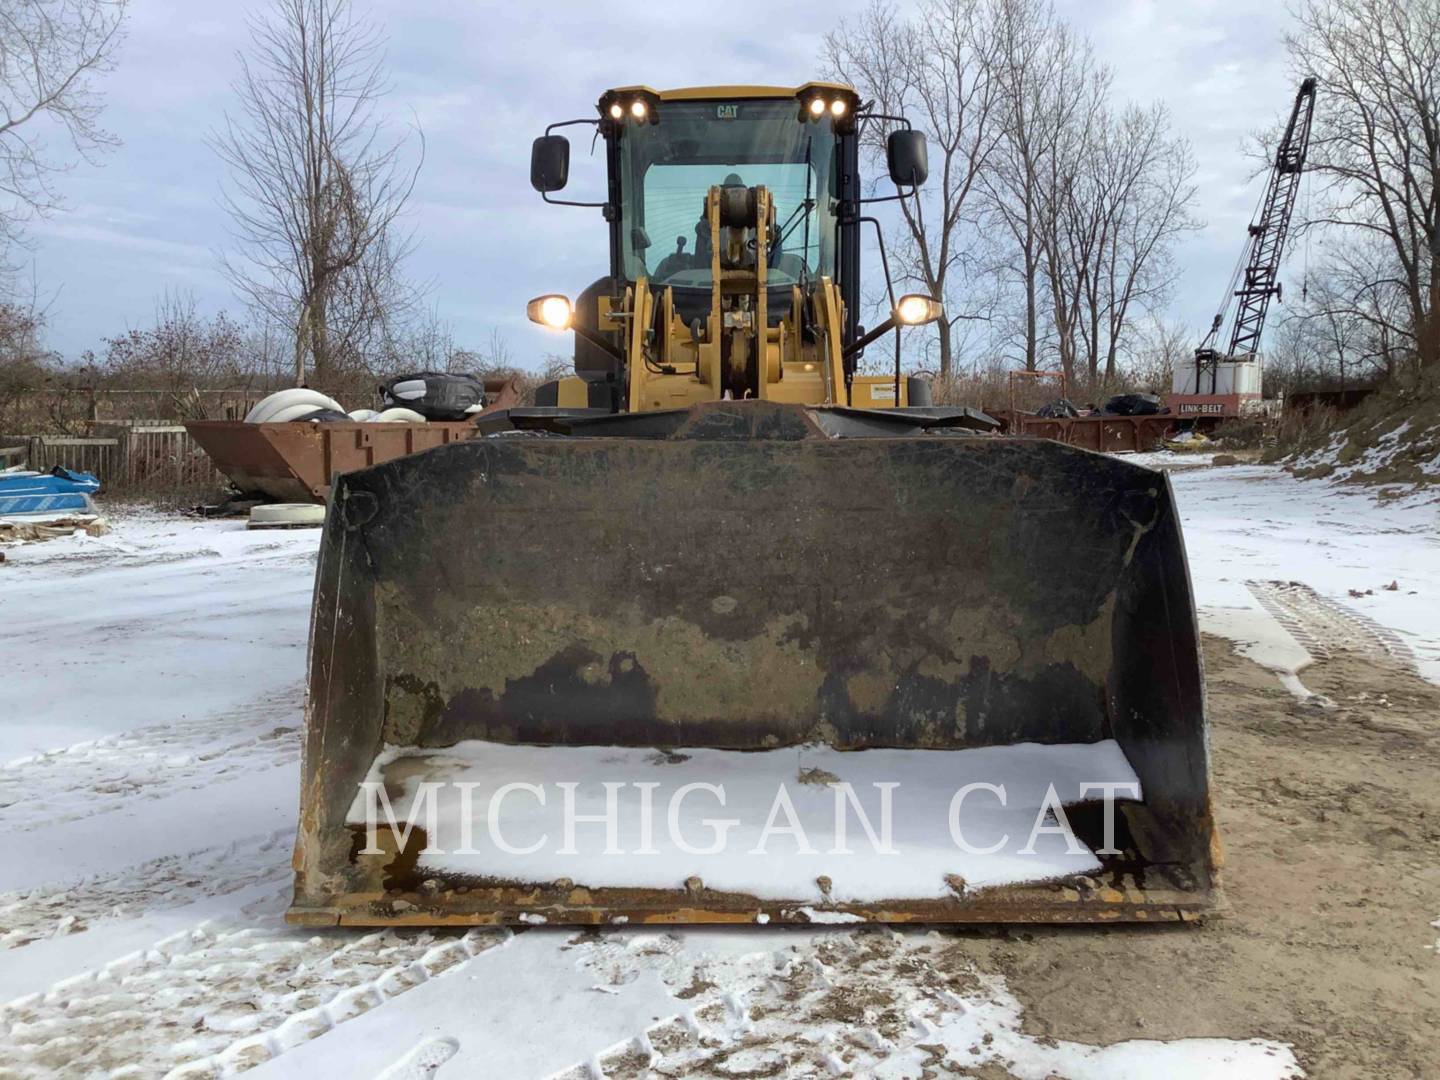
(46, 493)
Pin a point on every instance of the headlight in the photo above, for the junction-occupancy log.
(917, 310)
(555, 312)
(616, 112)
(637, 109)
(817, 106)
(837, 107)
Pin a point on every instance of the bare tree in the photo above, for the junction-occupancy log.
(1084, 202)
(25, 366)
(318, 190)
(492, 358)
(1335, 336)
(1376, 147)
(1160, 346)
(1059, 175)
(935, 68)
(181, 349)
(1109, 226)
(426, 343)
(1046, 75)
(51, 52)
(1052, 216)
(1346, 318)
(1357, 283)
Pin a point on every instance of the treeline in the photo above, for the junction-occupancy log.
(316, 191)
(1049, 221)
(161, 365)
(1053, 211)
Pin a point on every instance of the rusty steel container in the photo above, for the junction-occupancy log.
(298, 462)
(1103, 434)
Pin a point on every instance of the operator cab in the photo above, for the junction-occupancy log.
(791, 151)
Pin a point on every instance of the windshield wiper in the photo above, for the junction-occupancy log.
(791, 223)
(808, 205)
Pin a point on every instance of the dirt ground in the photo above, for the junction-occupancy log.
(1330, 819)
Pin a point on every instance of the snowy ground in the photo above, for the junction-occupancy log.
(1251, 532)
(153, 692)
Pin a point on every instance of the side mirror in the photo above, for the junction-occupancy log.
(549, 163)
(907, 157)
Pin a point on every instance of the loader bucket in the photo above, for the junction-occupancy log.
(754, 662)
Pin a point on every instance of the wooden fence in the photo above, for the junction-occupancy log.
(124, 457)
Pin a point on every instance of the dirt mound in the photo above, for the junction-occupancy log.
(1392, 438)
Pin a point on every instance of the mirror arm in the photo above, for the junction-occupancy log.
(891, 198)
(571, 123)
(567, 202)
(889, 324)
(859, 344)
(884, 258)
(901, 120)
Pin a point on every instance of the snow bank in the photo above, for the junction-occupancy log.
(1391, 438)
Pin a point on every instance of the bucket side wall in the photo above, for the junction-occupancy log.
(343, 708)
(1157, 689)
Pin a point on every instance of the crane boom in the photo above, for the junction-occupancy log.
(1258, 281)
(1267, 234)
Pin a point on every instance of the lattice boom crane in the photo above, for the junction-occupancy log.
(1256, 279)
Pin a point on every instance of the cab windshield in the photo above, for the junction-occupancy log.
(668, 168)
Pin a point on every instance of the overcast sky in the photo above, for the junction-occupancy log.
(483, 79)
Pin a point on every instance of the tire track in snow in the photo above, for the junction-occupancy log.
(99, 776)
(423, 1062)
(221, 997)
(838, 1004)
(160, 884)
(872, 1003)
(716, 1003)
(1325, 627)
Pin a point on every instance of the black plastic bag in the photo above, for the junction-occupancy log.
(1132, 405)
(322, 415)
(435, 395)
(1059, 409)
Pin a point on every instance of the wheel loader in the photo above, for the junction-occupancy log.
(725, 628)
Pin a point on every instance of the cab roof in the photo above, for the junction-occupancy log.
(703, 93)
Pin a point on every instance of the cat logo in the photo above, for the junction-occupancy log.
(727, 112)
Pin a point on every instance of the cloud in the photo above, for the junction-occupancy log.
(73, 232)
(1219, 66)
